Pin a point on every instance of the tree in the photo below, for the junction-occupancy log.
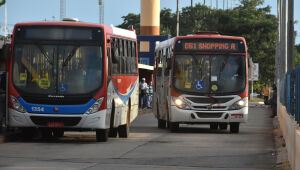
(131, 20)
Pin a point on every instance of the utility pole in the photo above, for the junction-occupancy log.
(5, 20)
(217, 4)
(283, 37)
(290, 36)
(223, 4)
(191, 3)
(177, 25)
(101, 12)
(62, 9)
(227, 4)
(278, 49)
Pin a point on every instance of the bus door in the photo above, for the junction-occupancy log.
(159, 83)
(166, 79)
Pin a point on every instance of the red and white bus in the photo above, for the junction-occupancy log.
(201, 78)
(69, 75)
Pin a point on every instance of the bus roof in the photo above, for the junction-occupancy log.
(109, 29)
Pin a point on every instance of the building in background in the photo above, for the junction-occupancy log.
(149, 36)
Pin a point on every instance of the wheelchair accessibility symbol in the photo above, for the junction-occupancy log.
(63, 87)
(199, 85)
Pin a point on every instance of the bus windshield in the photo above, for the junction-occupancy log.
(57, 69)
(206, 74)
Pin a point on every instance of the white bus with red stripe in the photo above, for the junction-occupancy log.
(201, 79)
(72, 76)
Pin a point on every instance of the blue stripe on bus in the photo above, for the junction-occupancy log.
(125, 97)
(62, 109)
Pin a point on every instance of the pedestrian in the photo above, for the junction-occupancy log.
(150, 93)
(2, 98)
(274, 101)
(143, 93)
(266, 91)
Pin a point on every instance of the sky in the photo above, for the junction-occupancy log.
(87, 10)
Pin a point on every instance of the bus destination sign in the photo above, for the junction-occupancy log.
(210, 45)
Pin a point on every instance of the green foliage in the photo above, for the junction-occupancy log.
(131, 20)
(248, 20)
(167, 22)
(2, 2)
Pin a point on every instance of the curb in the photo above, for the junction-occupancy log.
(282, 161)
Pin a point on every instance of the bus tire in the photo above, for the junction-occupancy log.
(101, 135)
(223, 126)
(161, 123)
(234, 127)
(58, 133)
(213, 126)
(46, 133)
(174, 126)
(113, 132)
(123, 130)
(28, 133)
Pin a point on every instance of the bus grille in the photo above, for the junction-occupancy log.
(54, 101)
(43, 121)
(209, 100)
(210, 108)
(208, 115)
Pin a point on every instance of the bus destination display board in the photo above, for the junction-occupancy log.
(210, 45)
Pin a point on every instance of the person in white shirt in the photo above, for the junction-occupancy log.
(143, 93)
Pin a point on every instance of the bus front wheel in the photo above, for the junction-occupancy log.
(161, 123)
(234, 127)
(174, 126)
(101, 135)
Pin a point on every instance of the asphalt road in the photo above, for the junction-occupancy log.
(193, 147)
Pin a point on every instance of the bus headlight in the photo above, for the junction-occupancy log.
(95, 107)
(181, 103)
(17, 105)
(239, 104)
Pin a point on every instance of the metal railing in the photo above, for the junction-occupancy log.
(290, 93)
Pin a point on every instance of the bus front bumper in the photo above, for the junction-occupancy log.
(96, 120)
(208, 116)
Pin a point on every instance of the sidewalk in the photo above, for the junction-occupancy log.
(258, 104)
(282, 162)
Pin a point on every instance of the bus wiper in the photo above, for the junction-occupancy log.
(71, 54)
(44, 53)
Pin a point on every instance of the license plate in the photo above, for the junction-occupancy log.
(56, 124)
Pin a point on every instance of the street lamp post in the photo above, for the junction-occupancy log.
(177, 24)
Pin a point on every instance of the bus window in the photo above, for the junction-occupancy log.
(115, 56)
(129, 48)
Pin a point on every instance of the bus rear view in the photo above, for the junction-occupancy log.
(207, 76)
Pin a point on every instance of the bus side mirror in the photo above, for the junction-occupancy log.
(169, 63)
